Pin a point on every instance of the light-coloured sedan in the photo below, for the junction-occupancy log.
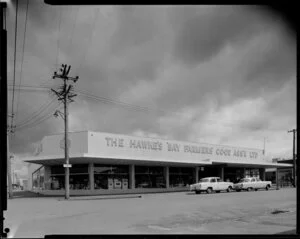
(211, 184)
(250, 184)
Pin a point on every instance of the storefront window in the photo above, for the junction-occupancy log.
(57, 182)
(250, 172)
(79, 181)
(149, 177)
(232, 174)
(38, 179)
(79, 177)
(79, 168)
(34, 181)
(285, 177)
(111, 176)
(180, 177)
(57, 169)
(41, 179)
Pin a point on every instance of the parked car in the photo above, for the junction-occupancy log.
(252, 183)
(211, 184)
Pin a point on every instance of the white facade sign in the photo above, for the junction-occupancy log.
(122, 146)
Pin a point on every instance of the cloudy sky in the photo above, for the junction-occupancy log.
(214, 74)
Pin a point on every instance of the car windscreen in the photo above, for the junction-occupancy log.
(204, 180)
(243, 180)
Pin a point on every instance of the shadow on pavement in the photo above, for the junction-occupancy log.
(290, 232)
(101, 198)
(27, 194)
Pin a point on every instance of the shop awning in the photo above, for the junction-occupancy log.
(85, 158)
(260, 164)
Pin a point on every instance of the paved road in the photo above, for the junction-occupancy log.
(165, 213)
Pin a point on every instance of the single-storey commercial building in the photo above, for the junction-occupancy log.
(105, 163)
(285, 174)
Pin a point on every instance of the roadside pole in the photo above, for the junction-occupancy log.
(277, 183)
(294, 156)
(9, 182)
(65, 95)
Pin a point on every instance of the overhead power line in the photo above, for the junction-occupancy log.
(39, 112)
(39, 116)
(35, 123)
(136, 108)
(23, 52)
(14, 73)
(132, 107)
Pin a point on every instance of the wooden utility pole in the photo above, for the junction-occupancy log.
(65, 95)
(10, 192)
(9, 158)
(294, 155)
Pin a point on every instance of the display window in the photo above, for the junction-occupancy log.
(57, 182)
(208, 171)
(149, 177)
(180, 177)
(252, 173)
(79, 182)
(75, 169)
(79, 177)
(232, 174)
(285, 177)
(38, 179)
(34, 181)
(111, 176)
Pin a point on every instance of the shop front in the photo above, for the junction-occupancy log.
(103, 163)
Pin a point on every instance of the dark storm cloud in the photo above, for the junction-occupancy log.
(255, 124)
(24, 141)
(141, 40)
(204, 33)
(272, 63)
(43, 17)
(187, 59)
(135, 26)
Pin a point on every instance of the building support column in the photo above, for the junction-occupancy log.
(131, 176)
(167, 176)
(196, 174)
(277, 181)
(91, 176)
(47, 178)
(262, 174)
(221, 173)
(244, 172)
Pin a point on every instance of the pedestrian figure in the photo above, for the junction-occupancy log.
(292, 181)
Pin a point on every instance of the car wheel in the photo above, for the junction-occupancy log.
(229, 189)
(197, 192)
(267, 187)
(209, 190)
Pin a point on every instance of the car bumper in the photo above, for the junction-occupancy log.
(238, 188)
